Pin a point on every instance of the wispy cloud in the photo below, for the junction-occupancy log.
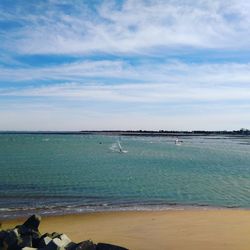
(157, 72)
(129, 26)
(169, 82)
(124, 64)
(135, 93)
(68, 71)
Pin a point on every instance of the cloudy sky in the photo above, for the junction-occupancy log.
(135, 64)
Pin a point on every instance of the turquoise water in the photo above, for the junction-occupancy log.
(79, 173)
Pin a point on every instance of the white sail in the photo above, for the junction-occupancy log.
(177, 142)
(119, 146)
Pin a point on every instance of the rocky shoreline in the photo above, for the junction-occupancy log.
(28, 237)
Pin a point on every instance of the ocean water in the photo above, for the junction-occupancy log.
(57, 174)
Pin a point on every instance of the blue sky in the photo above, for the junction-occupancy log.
(136, 64)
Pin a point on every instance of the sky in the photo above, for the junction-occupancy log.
(124, 64)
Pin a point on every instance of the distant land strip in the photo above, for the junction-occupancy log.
(241, 132)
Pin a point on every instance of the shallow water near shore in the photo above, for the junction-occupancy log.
(56, 174)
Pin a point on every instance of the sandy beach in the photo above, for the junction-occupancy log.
(144, 230)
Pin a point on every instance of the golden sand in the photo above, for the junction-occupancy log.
(175, 230)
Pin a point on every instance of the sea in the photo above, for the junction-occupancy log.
(52, 174)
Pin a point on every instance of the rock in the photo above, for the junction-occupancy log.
(45, 235)
(53, 241)
(23, 230)
(55, 235)
(16, 232)
(104, 246)
(10, 240)
(47, 240)
(2, 237)
(57, 244)
(44, 241)
(28, 237)
(33, 222)
(26, 241)
(86, 245)
(25, 233)
(71, 246)
(65, 239)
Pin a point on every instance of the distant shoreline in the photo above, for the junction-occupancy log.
(241, 133)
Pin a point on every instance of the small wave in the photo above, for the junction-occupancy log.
(6, 213)
(6, 209)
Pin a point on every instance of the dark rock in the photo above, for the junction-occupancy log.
(28, 237)
(33, 222)
(10, 240)
(55, 235)
(24, 231)
(35, 240)
(71, 246)
(104, 246)
(44, 241)
(61, 240)
(26, 241)
(86, 245)
(54, 244)
(2, 235)
(45, 235)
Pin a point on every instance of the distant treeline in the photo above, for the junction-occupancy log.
(138, 132)
(170, 132)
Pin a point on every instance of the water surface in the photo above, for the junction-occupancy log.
(80, 173)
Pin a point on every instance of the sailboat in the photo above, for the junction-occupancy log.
(120, 147)
(117, 147)
(177, 142)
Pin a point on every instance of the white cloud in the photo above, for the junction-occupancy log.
(135, 27)
(137, 93)
(188, 75)
(147, 83)
(67, 71)
(170, 96)
(213, 95)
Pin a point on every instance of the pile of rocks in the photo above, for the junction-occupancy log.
(28, 237)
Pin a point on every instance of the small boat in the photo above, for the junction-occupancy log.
(120, 147)
(177, 142)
